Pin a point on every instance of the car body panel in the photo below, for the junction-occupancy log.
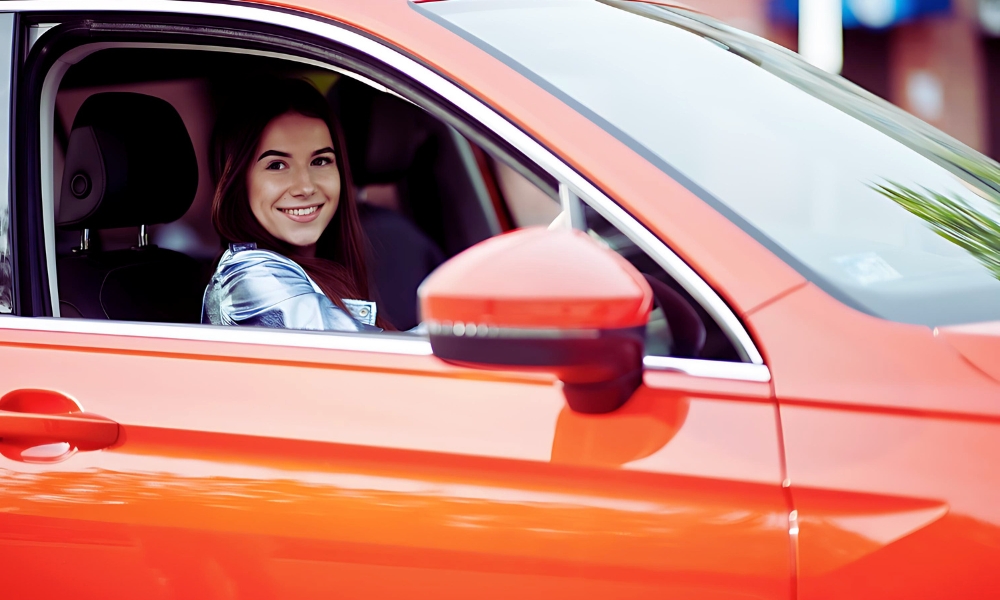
(255, 470)
(979, 343)
(888, 433)
(894, 505)
(820, 351)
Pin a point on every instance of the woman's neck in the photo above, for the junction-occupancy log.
(305, 251)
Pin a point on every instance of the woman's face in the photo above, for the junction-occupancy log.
(294, 184)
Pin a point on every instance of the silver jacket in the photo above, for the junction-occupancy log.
(266, 289)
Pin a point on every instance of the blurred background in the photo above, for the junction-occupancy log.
(938, 59)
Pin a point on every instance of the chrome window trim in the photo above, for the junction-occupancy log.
(399, 343)
(617, 216)
(6, 68)
(708, 368)
(320, 340)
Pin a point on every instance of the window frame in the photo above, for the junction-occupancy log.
(344, 48)
(8, 291)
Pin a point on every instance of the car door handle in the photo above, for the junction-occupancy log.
(33, 418)
(86, 432)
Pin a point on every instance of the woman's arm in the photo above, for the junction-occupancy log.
(262, 288)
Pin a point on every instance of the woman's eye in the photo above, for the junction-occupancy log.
(321, 161)
(276, 166)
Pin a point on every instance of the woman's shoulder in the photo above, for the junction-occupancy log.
(248, 254)
(245, 262)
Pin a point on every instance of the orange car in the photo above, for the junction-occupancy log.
(717, 325)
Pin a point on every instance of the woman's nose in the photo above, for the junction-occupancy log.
(303, 186)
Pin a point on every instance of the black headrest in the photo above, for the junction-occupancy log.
(129, 162)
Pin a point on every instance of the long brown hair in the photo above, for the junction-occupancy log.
(339, 266)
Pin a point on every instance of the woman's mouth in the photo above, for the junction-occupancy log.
(302, 215)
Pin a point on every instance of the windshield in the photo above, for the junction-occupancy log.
(876, 207)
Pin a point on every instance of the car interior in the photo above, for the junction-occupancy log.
(137, 243)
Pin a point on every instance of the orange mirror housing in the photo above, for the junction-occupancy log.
(538, 278)
(545, 300)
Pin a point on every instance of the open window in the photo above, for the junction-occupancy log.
(423, 196)
(431, 182)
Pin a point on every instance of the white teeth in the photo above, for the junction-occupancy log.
(299, 212)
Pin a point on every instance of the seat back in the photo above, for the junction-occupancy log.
(129, 163)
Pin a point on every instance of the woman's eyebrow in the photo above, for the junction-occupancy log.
(323, 151)
(273, 153)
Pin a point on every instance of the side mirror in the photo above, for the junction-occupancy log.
(552, 301)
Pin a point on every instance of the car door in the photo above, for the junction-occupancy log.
(146, 460)
(270, 470)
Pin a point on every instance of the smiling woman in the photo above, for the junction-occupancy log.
(294, 191)
(285, 206)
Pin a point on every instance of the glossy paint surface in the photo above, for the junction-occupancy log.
(275, 478)
(888, 436)
(900, 506)
(522, 279)
(979, 343)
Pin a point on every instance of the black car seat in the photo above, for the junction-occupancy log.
(129, 163)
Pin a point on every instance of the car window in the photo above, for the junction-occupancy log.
(422, 196)
(877, 208)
